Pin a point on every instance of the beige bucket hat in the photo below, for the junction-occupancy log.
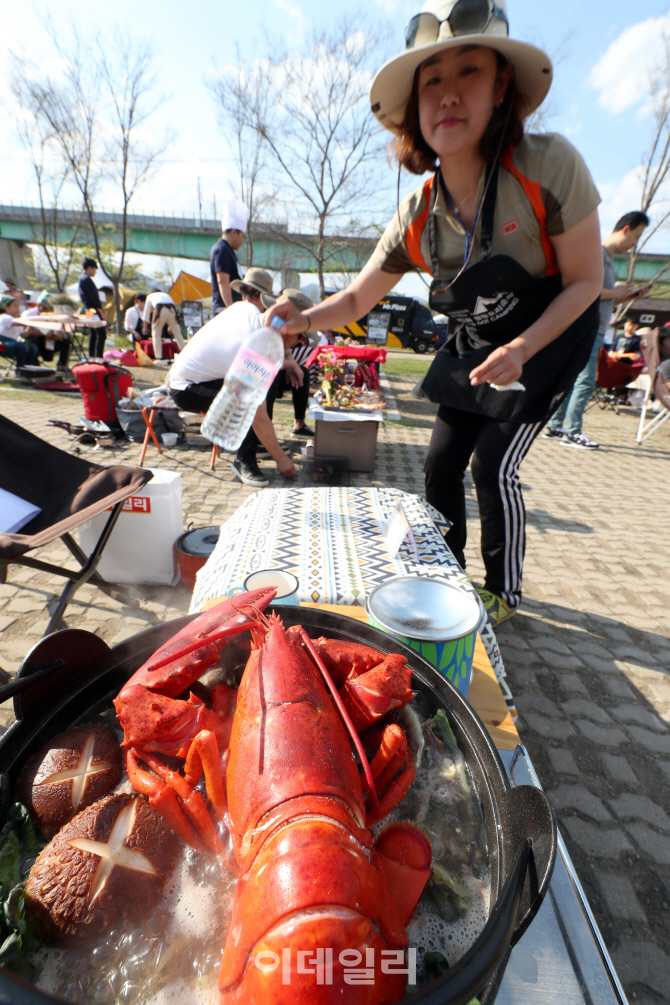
(450, 24)
(259, 280)
(297, 298)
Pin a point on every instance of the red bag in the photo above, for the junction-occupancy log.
(101, 385)
(170, 349)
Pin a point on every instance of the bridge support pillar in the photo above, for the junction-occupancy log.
(290, 279)
(15, 262)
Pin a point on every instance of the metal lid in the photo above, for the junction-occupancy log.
(421, 608)
(199, 542)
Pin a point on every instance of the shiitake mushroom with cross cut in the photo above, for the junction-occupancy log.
(68, 774)
(107, 867)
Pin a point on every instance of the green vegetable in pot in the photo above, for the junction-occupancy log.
(23, 825)
(9, 856)
(450, 896)
(13, 909)
(10, 951)
(435, 964)
(442, 729)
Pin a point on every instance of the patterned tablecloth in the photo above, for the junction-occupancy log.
(333, 540)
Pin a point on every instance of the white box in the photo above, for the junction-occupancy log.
(141, 547)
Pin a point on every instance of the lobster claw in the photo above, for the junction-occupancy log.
(405, 854)
(371, 695)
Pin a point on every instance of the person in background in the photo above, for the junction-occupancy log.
(289, 376)
(630, 340)
(90, 298)
(12, 333)
(46, 342)
(133, 321)
(15, 292)
(223, 260)
(198, 373)
(664, 349)
(160, 311)
(565, 425)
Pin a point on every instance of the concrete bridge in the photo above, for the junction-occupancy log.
(180, 237)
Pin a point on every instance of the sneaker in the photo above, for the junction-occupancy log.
(303, 431)
(263, 455)
(580, 441)
(554, 433)
(250, 474)
(496, 608)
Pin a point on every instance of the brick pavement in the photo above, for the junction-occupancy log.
(588, 656)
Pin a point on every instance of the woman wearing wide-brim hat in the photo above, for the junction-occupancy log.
(508, 228)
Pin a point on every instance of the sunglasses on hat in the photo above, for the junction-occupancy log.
(467, 17)
(250, 292)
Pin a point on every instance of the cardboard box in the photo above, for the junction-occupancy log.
(355, 440)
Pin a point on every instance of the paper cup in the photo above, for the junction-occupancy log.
(286, 583)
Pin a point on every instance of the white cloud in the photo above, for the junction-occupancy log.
(622, 196)
(621, 75)
(295, 14)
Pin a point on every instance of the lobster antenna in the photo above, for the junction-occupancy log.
(351, 729)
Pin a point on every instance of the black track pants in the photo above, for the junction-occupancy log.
(497, 449)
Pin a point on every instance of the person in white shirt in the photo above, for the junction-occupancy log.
(160, 311)
(133, 319)
(197, 377)
(12, 333)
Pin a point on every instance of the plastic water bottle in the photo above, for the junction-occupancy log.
(255, 366)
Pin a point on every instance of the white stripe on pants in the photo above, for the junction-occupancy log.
(514, 510)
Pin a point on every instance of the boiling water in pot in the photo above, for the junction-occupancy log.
(173, 957)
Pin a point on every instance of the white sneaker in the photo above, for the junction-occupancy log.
(580, 441)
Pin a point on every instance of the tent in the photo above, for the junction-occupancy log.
(188, 287)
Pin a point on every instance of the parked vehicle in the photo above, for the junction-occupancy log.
(397, 323)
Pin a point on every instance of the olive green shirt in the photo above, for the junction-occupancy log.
(568, 194)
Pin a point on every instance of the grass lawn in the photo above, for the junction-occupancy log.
(413, 365)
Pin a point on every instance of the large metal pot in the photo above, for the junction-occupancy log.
(519, 822)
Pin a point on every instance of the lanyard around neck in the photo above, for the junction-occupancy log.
(485, 211)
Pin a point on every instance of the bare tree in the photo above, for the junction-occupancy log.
(655, 168)
(311, 114)
(241, 100)
(93, 114)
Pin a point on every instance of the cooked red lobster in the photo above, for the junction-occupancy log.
(320, 912)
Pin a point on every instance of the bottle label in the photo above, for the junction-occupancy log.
(253, 369)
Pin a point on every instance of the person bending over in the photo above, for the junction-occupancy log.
(507, 226)
(160, 311)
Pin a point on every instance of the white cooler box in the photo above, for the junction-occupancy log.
(141, 547)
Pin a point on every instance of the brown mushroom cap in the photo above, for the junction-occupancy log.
(89, 755)
(105, 868)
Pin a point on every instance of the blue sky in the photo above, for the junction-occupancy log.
(604, 52)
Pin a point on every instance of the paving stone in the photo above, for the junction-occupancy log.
(597, 664)
(633, 713)
(6, 621)
(522, 678)
(606, 737)
(629, 806)
(579, 706)
(597, 842)
(665, 768)
(571, 682)
(547, 728)
(577, 797)
(562, 761)
(619, 688)
(639, 962)
(540, 704)
(24, 605)
(655, 845)
(561, 662)
(651, 741)
(620, 898)
(618, 768)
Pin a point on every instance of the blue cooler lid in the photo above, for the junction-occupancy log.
(422, 608)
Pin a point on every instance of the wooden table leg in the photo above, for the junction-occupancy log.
(149, 421)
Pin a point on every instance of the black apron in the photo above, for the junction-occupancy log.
(490, 304)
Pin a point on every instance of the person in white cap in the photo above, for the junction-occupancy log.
(223, 262)
(507, 227)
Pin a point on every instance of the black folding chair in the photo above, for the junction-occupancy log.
(69, 491)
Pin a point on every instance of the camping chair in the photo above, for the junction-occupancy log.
(612, 377)
(148, 416)
(655, 385)
(70, 491)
